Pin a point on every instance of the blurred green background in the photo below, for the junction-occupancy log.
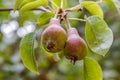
(13, 28)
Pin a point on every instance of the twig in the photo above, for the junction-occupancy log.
(77, 19)
(40, 8)
(44, 9)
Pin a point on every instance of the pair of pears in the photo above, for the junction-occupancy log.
(55, 39)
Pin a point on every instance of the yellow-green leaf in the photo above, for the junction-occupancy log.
(27, 52)
(25, 2)
(93, 8)
(32, 5)
(92, 70)
(17, 4)
(98, 35)
(45, 18)
(57, 3)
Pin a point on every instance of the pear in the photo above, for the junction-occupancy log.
(75, 48)
(54, 37)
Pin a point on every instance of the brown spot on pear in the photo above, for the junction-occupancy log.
(54, 37)
(76, 48)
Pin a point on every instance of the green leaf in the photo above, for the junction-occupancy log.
(117, 4)
(110, 3)
(32, 5)
(99, 36)
(24, 2)
(44, 18)
(93, 8)
(27, 52)
(92, 70)
(17, 4)
(27, 16)
(1, 4)
(57, 3)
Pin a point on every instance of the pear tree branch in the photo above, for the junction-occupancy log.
(40, 8)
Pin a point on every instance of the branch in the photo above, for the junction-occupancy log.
(77, 19)
(40, 8)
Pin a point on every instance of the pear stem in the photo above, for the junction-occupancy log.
(56, 14)
(67, 21)
(61, 5)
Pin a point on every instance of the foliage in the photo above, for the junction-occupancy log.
(27, 52)
(98, 36)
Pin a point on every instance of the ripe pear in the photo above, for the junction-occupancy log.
(54, 37)
(76, 48)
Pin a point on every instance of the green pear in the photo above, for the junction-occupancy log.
(54, 37)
